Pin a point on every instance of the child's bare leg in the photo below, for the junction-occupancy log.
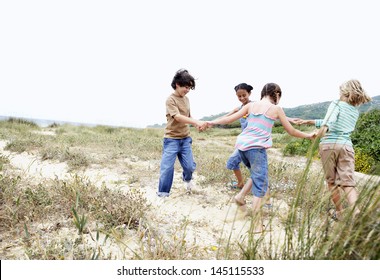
(352, 196)
(267, 197)
(257, 223)
(240, 197)
(239, 178)
(335, 197)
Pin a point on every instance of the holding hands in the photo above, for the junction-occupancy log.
(203, 125)
(210, 124)
(300, 121)
(312, 135)
(295, 120)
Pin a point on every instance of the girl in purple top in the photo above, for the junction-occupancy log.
(255, 139)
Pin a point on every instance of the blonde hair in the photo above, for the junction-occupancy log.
(353, 92)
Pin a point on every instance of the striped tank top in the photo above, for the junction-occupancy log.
(257, 134)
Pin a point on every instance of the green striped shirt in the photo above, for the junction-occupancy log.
(340, 119)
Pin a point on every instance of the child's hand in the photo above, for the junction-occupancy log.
(313, 135)
(202, 126)
(301, 121)
(209, 124)
(296, 121)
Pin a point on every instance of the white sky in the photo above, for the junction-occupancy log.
(112, 62)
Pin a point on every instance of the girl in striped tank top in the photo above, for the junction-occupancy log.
(255, 139)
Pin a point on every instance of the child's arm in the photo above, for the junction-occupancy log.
(289, 128)
(231, 112)
(187, 120)
(294, 120)
(300, 121)
(322, 131)
(231, 118)
(307, 122)
(316, 122)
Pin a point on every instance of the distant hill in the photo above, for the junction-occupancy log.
(312, 111)
(318, 110)
(46, 123)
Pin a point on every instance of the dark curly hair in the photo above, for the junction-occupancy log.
(244, 86)
(183, 79)
(273, 91)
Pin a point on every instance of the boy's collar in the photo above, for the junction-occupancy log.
(178, 94)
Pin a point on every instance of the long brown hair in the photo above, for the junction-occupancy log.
(273, 91)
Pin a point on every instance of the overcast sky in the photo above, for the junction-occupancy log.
(112, 62)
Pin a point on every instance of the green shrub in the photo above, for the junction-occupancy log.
(3, 160)
(27, 143)
(75, 159)
(22, 122)
(367, 134)
(363, 162)
(297, 147)
(375, 169)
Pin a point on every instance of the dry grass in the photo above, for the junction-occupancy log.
(74, 218)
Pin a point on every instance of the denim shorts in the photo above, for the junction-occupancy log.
(256, 161)
(233, 163)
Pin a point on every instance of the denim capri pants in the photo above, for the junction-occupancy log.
(256, 161)
(233, 163)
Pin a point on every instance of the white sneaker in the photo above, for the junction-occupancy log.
(188, 186)
(160, 200)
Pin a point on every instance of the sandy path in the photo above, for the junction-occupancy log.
(208, 213)
(31, 165)
(205, 218)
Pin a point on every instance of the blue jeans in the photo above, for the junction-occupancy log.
(257, 162)
(173, 148)
(233, 163)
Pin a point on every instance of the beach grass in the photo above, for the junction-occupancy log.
(72, 218)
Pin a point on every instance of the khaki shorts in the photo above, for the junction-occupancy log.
(338, 163)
